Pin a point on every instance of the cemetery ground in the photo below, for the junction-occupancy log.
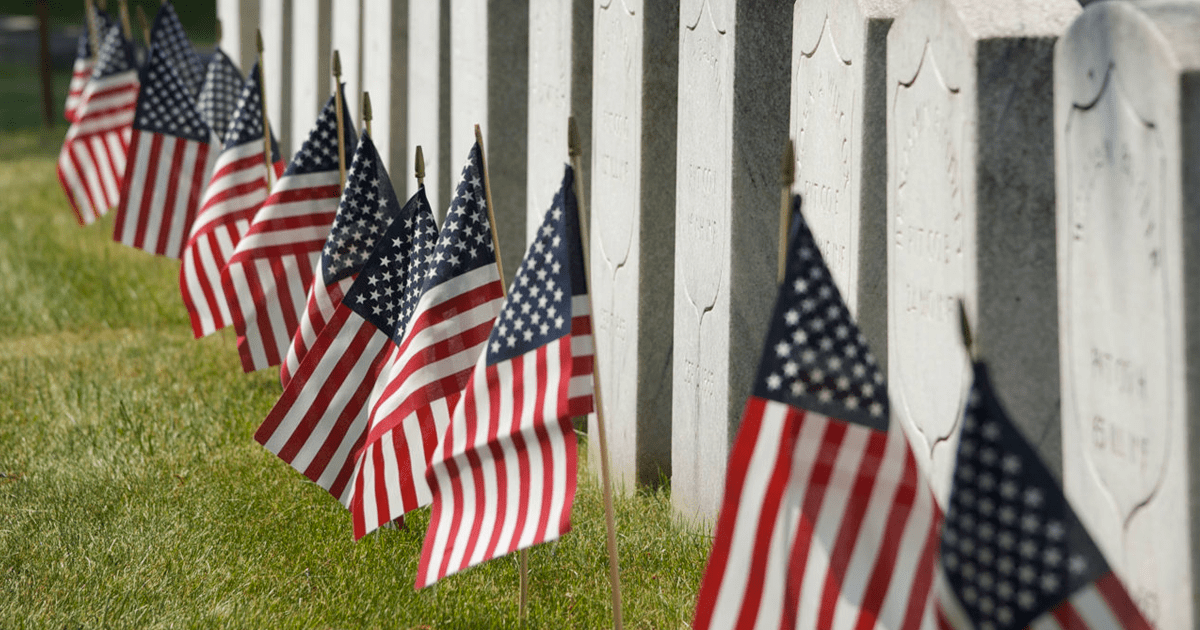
(132, 493)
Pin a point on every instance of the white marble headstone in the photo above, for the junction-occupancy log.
(634, 100)
(1127, 230)
(733, 106)
(560, 86)
(428, 108)
(277, 52)
(489, 79)
(839, 125)
(348, 37)
(971, 216)
(309, 65)
(386, 26)
(239, 21)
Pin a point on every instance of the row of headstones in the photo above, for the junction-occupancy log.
(1038, 162)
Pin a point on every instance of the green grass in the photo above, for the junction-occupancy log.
(199, 17)
(132, 493)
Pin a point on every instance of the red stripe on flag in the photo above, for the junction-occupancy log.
(851, 524)
(1114, 594)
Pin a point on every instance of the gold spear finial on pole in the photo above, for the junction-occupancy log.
(366, 111)
(338, 105)
(420, 162)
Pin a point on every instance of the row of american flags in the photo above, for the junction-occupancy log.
(411, 377)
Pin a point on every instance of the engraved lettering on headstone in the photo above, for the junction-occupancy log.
(1119, 356)
(927, 265)
(825, 103)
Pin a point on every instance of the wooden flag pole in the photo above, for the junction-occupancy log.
(262, 97)
(219, 32)
(614, 568)
(487, 192)
(102, 4)
(337, 98)
(523, 554)
(965, 327)
(786, 179)
(366, 111)
(124, 10)
(144, 24)
(420, 170)
(93, 29)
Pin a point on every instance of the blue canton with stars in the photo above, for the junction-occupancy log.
(391, 283)
(368, 207)
(103, 22)
(219, 94)
(1011, 546)
(320, 151)
(167, 34)
(246, 124)
(465, 242)
(163, 104)
(116, 55)
(815, 358)
(537, 309)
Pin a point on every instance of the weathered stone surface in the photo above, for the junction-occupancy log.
(489, 81)
(839, 125)
(309, 65)
(239, 21)
(1127, 124)
(971, 216)
(386, 27)
(634, 101)
(560, 86)
(277, 51)
(734, 60)
(429, 100)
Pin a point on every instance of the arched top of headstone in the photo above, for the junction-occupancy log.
(838, 24)
(924, 24)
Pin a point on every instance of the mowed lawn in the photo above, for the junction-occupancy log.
(132, 493)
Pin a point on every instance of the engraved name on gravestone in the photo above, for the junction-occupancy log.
(839, 124)
(1125, 230)
(971, 215)
(633, 219)
(733, 92)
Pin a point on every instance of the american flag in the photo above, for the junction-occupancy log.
(236, 191)
(425, 374)
(170, 157)
(319, 422)
(363, 215)
(266, 281)
(219, 93)
(84, 64)
(1013, 553)
(503, 475)
(166, 34)
(91, 164)
(826, 521)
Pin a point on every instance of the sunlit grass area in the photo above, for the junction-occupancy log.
(132, 493)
